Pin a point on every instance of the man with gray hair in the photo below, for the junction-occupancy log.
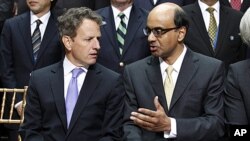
(237, 96)
(75, 99)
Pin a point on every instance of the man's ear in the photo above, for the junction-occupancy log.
(67, 41)
(182, 33)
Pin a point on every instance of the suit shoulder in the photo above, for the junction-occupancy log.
(207, 59)
(44, 71)
(140, 63)
(102, 10)
(232, 11)
(107, 72)
(241, 65)
(188, 7)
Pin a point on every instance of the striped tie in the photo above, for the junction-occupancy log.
(121, 32)
(36, 40)
(212, 28)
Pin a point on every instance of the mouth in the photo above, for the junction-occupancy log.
(153, 48)
(94, 55)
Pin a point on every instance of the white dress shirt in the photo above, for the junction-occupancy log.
(67, 68)
(117, 18)
(206, 15)
(44, 19)
(177, 66)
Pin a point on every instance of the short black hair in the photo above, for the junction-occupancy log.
(181, 18)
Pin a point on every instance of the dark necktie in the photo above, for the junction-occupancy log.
(121, 32)
(72, 94)
(36, 40)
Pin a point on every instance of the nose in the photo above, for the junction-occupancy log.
(151, 37)
(97, 44)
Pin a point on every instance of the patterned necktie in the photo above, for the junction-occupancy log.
(212, 28)
(236, 4)
(72, 94)
(169, 85)
(121, 32)
(36, 39)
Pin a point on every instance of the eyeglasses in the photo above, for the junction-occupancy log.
(157, 31)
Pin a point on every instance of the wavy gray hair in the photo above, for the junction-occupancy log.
(245, 27)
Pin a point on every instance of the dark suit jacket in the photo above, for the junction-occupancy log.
(97, 4)
(197, 103)
(149, 4)
(244, 6)
(237, 98)
(229, 46)
(136, 45)
(62, 5)
(17, 51)
(97, 115)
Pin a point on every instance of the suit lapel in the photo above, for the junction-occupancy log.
(186, 73)
(49, 34)
(24, 26)
(109, 28)
(91, 81)
(57, 85)
(154, 75)
(135, 21)
(223, 26)
(200, 24)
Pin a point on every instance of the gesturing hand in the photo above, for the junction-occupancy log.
(152, 120)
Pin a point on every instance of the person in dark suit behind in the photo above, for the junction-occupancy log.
(150, 4)
(227, 45)
(190, 105)
(97, 4)
(97, 114)
(245, 4)
(6, 11)
(17, 50)
(237, 96)
(21, 7)
(135, 42)
(63, 5)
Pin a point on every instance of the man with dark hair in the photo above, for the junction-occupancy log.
(28, 41)
(168, 97)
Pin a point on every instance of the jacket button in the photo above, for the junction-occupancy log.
(121, 64)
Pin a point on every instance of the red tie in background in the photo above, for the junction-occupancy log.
(236, 4)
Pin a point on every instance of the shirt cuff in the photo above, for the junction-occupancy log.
(18, 104)
(173, 132)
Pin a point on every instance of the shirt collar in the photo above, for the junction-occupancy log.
(43, 19)
(68, 66)
(117, 11)
(204, 6)
(177, 64)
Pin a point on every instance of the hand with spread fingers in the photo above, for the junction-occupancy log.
(152, 120)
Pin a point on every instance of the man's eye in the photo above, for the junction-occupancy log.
(158, 31)
(88, 39)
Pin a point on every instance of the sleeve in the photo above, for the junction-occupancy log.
(234, 106)
(31, 126)
(131, 131)
(114, 112)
